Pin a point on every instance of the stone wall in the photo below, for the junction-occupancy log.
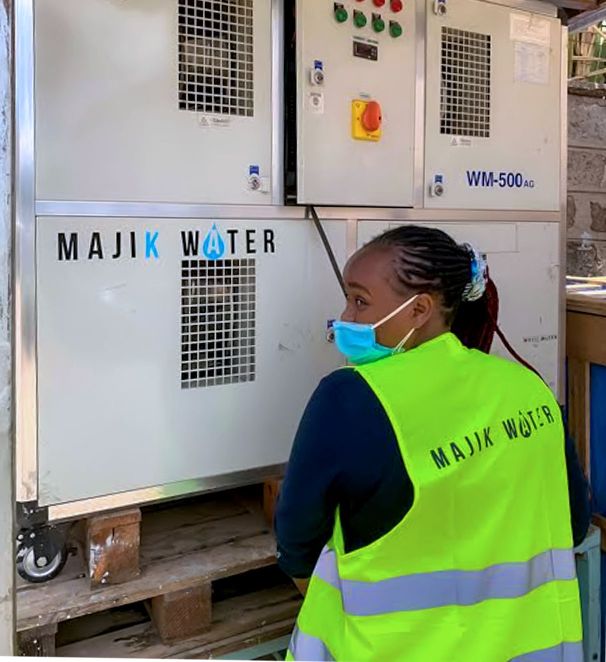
(586, 216)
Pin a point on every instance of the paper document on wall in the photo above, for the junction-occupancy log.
(531, 63)
(530, 29)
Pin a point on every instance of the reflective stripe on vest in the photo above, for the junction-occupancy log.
(446, 588)
(566, 652)
(305, 647)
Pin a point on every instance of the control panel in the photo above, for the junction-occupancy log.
(355, 102)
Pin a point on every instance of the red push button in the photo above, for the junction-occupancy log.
(371, 117)
(397, 6)
(379, 3)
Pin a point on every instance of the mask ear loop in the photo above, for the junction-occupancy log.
(405, 339)
(395, 312)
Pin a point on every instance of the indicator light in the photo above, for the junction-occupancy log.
(378, 24)
(395, 29)
(340, 13)
(360, 19)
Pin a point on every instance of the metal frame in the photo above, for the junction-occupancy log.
(563, 205)
(588, 561)
(277, 102)
(27, 209)
(534, 6)
(419, 132)
(586, 19)
(159, 493)
(8, 584)
(276, 212)
(26, 456)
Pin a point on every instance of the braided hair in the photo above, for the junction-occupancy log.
(429, 260)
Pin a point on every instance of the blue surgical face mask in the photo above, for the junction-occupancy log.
(358, 342)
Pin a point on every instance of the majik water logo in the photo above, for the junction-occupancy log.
(211, 244)
(217, 244)
(74, 246)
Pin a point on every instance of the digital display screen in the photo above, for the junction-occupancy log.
(365, 51)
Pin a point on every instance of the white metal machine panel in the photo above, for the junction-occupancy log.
(176, 349)
(355, 102)
(492, 108)
(153, 100)
(524, 261)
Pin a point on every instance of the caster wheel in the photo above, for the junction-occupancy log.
(41, 554)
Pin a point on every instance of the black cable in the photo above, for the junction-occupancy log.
(327, 247)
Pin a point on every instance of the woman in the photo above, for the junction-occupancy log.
(427, 488)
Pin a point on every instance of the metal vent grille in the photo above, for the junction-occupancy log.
(465, 84)
(218, 309)
(216, 56)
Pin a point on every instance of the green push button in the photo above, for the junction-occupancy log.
(378, 24)
(340, 14)
(360, 19)
(395, 29)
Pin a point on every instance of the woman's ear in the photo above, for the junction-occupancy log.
(423, 308)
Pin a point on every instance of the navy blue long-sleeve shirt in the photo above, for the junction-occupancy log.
(346, 454)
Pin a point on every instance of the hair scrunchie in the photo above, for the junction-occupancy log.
(476, 287)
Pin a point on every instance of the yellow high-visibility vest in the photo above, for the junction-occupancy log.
(481, 569)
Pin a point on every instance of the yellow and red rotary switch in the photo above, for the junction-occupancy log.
(366, 120)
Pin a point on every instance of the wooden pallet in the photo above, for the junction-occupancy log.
(184, 551)
(238, 623)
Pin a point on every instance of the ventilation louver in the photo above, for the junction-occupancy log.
(218, 322)
(465, 83)
(216, 56)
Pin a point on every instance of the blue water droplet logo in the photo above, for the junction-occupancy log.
(213, 245)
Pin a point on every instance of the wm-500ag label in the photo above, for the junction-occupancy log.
(486, 179)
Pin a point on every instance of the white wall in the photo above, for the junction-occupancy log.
(7, 580)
